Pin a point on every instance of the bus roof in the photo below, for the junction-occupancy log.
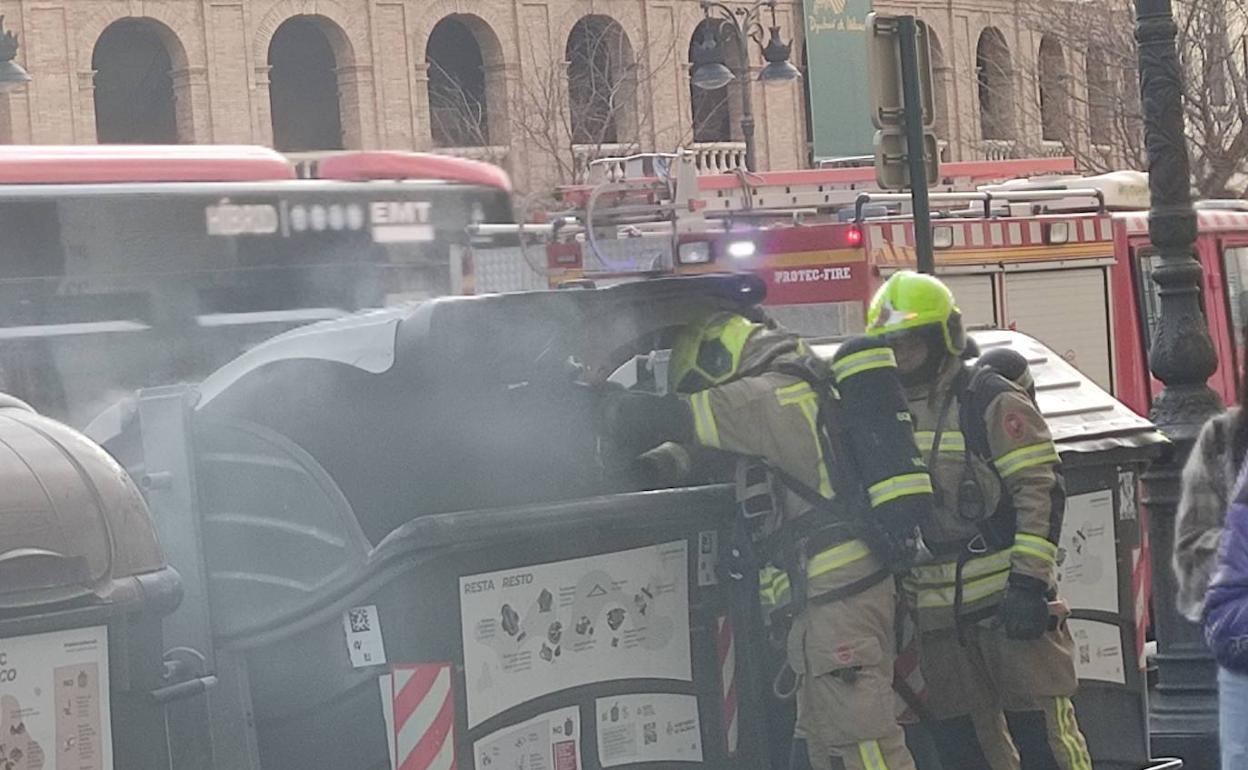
(359, 166)
(94, 164)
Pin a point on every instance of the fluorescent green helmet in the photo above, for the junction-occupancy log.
(909, 301)
(708, 352)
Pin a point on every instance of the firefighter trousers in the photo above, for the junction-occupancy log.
(1003, 704)
(843, 653)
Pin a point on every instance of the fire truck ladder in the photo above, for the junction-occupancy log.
(663, 194)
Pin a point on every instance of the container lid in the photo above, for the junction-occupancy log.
(71, 520)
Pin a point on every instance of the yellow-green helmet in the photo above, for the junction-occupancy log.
(708, 352)
(910, 300)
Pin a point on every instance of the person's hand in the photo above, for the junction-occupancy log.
(1024, 611)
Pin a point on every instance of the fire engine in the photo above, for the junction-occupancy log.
(1061, 257)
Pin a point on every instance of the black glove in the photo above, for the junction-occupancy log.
(663, 467)
(899, 549)
(1025, 609)
(637, 422)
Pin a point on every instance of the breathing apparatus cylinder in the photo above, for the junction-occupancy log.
(878, 434)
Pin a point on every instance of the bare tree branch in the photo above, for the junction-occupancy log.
(1099, 96)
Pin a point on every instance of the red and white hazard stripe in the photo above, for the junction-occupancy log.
(424, 717)
(726, 651)
(994, 234)
(1137, 223)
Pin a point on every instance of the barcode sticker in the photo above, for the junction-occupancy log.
(364, 644)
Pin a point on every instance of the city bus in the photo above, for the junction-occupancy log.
(128, 266)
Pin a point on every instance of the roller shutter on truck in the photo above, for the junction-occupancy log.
(1067, 311)
(974, 297)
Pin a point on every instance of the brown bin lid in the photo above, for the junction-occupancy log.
(71, 520)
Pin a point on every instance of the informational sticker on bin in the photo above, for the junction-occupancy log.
(543, 628)
(364, 642)
(54, 701)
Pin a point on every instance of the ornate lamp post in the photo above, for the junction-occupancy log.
(1184, 711)
(710, 72)
(11, 73)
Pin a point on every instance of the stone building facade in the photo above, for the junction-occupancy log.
(483, 78)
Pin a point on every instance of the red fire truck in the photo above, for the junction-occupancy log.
(128, 266)
(1060, 257)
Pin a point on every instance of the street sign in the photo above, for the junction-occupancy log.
(888, 100)
(892, 170)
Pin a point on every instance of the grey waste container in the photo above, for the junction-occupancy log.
(83, 587)
(421, 487)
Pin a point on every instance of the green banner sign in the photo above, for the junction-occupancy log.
(836, 59)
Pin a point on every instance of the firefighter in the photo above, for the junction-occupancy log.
(737, 386)
(996, 654)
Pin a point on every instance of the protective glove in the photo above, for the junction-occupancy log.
(1024, 611)
(898, 548)
(667, 465)
(636, 422)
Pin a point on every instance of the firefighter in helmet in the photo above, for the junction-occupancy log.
(995, 650)
(756, 392)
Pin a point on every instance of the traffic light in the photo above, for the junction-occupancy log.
(888, 102)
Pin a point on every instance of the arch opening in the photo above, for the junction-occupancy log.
(136, 99)
(716, 113)
(467, 84)
(602, 88)
(995, 75)
(304, 94)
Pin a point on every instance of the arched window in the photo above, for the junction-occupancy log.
(1102, 94)
(303, 90)
(940, 91)
(602, 82)
(996, 85)
(466, 86)
(716, 112)
(134, 93)
(1054, 101)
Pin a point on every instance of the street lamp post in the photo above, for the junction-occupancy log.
(12, 75)
(1183, 713)
(710, 72)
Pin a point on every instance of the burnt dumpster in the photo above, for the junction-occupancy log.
(1103, 550)
(403, 546)
(83, 587)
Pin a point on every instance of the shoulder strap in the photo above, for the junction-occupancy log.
(818, 375)
(978, 387)
(982, 384)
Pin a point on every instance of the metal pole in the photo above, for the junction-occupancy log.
(907, 40)
(1183, 711)
(747, 100)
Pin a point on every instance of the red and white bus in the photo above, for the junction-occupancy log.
(127, 266)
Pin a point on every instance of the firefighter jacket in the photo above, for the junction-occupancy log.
(998, 506)
(767, 420)
(775, 417)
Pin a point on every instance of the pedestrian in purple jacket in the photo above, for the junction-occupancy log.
(1226, 629)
